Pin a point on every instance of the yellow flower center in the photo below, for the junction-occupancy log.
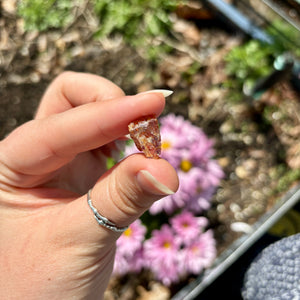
(195, 250)
(199, 190)
(185, 165)
(185, 225)
(128, 232)
(165, 145)
(167, 244)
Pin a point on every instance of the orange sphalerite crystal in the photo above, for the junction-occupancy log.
(146, 136)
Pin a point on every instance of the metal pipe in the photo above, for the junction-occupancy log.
(241, 21)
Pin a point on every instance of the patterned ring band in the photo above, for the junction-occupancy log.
(102, 221)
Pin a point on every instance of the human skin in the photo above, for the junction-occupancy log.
(51, 246)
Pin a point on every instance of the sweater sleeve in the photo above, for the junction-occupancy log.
(275, 273)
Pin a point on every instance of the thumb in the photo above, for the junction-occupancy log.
(122, 195)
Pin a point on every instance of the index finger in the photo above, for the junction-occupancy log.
(44, 145)
(71, 89)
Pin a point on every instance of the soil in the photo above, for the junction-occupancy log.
(249, 148)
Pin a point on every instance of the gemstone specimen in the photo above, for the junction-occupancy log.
(146, 136)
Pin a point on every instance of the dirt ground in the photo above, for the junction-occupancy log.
(249, 153)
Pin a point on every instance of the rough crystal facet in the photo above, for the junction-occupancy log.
(146, 136)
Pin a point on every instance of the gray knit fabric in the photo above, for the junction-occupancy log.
(275, 274)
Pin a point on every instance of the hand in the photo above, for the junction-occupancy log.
(51, 246)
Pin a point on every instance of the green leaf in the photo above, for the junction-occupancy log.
(42, 15)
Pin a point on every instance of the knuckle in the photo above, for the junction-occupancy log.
(125, 197)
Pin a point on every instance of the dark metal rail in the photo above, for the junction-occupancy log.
(288, 10)
(290, 66)
(234, 16)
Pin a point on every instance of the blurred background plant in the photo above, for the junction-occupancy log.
(139, 22)
(254, 59)
(43, 15)
(247, 63)
(128, 42)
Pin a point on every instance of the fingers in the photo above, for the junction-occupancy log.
(121, 195)
(71, 89)
(44, 145)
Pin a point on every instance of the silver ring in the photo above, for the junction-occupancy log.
(101, 220)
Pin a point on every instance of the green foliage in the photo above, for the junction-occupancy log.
(45, 14)
(110, 162)
(247, 63)
(253, 60)
(191, 71)
(287, 178)
(153, 222)
(137, 21)
(291, 42)
(133, 17)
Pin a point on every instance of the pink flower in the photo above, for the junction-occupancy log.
(129, 253)
(166, 204)
(190, 151)
(187, 226)
(199, 254)
(162, 245)
(171, 145)
(173, 252)
(214, 172)
(121, 264)
(125, 264)
(166, 273)
(202, 201)
(194, 193)
(199, 183)
(186, 135)
(161, 254)
(137, 261)
(196, 185)
(131, 240)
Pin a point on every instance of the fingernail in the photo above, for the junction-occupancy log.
(150, 184)
(165, 93)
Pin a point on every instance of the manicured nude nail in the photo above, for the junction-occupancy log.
(166, 93)
(149, 183)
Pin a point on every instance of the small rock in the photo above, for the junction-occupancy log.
(190, 32)
(9, 6)
(224, 162)
(227, 127)
(235, 207)
(241, 172)
(157, 292)
(250, 164)
(42, 43)
(241, 227)
(293, 156)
